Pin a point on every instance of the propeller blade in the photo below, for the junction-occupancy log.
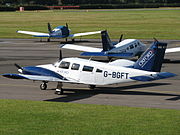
(18, 66)
(120, 39)
(60, 55)
(49, 28)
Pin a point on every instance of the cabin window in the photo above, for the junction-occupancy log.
(75, 66)
(131, 46)
(64, 65)
(98, 70)
(88, 68)
(135, 45)
(127, 48)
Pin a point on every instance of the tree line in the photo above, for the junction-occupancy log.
(81, 2)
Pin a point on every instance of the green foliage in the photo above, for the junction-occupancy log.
(7, 8)
(44, 118)
(162, 24)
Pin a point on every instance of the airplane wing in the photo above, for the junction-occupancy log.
(158, 76)
(170, 50)
(122, 55)
(80, 48)
(35, 77)
(84, 34)
(35, 34)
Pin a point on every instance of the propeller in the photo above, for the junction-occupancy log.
(20, 69)
(49, 28)
(120, 39)
(60, 55)
(18, 66)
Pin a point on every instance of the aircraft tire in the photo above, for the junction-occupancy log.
(43, 86)
(59, 92)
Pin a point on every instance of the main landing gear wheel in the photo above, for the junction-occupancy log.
(43, 86)
(92, 87)
(59, 91)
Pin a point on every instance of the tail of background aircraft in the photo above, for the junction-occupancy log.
(152, 58)
(106, 41)
(49, 28)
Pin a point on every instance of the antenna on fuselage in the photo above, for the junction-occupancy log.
(155, 39)
(60, 55)
(120, 39)
(67, 25)
(49, 28)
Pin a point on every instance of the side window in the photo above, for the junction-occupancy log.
(135, 45)
(131, 46)
(75, 66)
(64, 65)
(98, 70)
(87, 68)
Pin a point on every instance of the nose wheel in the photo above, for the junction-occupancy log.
(43, 86)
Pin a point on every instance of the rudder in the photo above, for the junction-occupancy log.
(152, 58)
(106, 41)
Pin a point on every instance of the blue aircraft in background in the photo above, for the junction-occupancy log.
(58, 32)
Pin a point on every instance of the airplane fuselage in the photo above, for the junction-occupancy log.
(133, 46)
(83, 71)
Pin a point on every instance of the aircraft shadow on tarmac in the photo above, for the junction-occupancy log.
(79, 94)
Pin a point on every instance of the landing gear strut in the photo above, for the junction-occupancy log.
(43, 86)
(59, 90)
(48, 39)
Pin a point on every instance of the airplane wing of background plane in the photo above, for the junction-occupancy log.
(35, 34)
(92, 51)
(170, 50)
(84, 34)
(81, 48)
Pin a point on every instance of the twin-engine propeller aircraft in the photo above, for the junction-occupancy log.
(58, 32)
(124, 48)
(92, 73)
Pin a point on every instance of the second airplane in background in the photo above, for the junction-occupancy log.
(124, 48)
(58, 32)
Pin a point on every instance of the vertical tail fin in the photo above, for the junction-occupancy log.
(106, 41)
(49, 28)
(152, 58)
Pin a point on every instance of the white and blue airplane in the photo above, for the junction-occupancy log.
(58, 32)
(92, 73)
(124, 48)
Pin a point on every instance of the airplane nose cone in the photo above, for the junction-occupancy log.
(20, 70)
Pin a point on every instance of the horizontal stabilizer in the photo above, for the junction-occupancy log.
(153, 77)
(170, 50)
(107, 54)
